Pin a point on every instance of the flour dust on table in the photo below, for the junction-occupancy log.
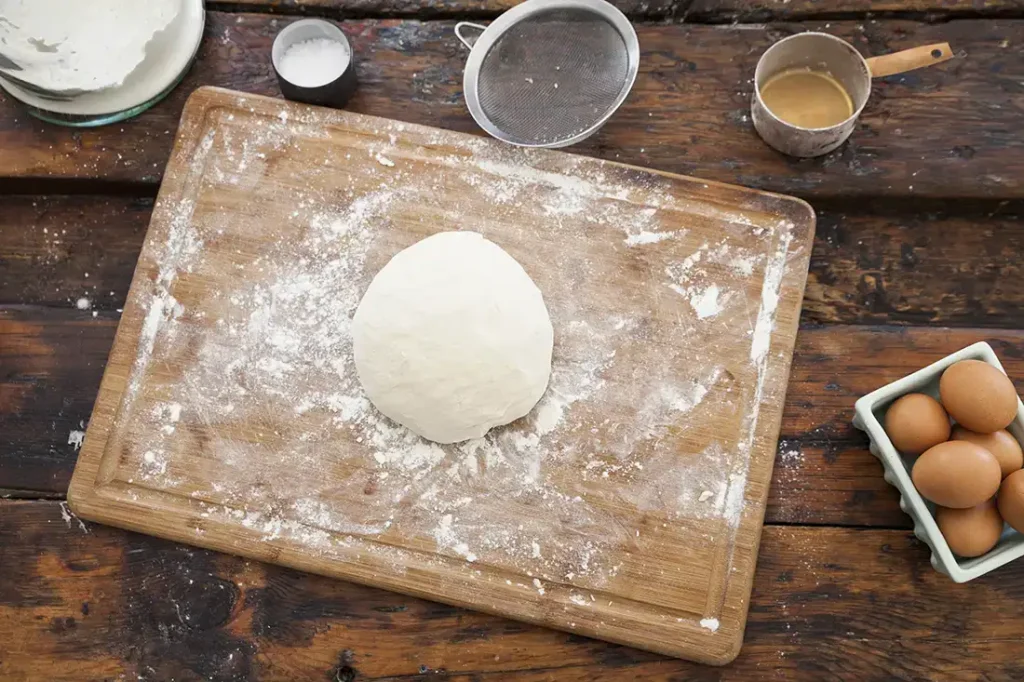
(622, 490)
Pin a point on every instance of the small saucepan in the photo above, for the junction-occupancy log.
(824, 53)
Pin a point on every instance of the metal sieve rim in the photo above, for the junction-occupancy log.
(502, 24)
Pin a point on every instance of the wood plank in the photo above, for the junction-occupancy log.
(346, 9)
(835, 365)
(823, 472)
(792, 10)
(837, 483)
(951, 130)
(936, 263)
(55, 250)
(828, 603)
(694, 10)
(875, 262)
(50, 369)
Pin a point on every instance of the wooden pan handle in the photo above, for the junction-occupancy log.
(908, 60)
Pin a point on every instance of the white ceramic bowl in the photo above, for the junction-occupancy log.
(870, 413)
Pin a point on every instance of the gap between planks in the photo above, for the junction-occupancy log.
(17, 496)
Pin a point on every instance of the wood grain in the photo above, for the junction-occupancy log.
(201, 288)
(937, 263)
(49, 373)
(55, 250)
(770, 10)
(946, 131)
(874, 262)
(53, 362)
(691, 10)
(343, 9)
(827, 603)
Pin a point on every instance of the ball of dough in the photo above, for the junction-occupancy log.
(453, 338)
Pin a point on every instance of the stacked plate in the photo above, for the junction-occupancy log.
(168, 56)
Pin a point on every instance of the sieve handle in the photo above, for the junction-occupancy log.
(467, 40)
(908, 60)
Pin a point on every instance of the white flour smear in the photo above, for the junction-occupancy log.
(75, 439)
(267, 425)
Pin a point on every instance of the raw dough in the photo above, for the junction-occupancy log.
(453, 338)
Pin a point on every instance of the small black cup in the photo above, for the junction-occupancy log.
(333, 94)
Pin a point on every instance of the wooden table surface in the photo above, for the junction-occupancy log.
(918, 249)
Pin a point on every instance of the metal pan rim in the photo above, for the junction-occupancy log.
(502, 24)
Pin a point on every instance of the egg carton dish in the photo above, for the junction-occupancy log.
(870, 415)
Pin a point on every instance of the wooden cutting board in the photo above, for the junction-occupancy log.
(627, 506)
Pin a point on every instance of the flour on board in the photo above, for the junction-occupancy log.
(705, 302)
(709, 624)
(292, 449)
(645, 237)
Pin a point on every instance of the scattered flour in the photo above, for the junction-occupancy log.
(791, 456)
(75, 438)
(68, 516)
(769, 300)
(705, 302)
(642, 238)
(580, 600)
(743, 265)
(709, 624)
(270, 399)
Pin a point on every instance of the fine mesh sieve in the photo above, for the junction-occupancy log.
(549, 73)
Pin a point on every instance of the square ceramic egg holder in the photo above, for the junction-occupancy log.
(870, 414)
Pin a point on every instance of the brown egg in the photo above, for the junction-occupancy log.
(973, 531)
(957, 474)
(916, 422)
(1011, 500)
(978, 396)
(1001, 444)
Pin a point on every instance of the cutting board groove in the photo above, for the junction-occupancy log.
(627, 506)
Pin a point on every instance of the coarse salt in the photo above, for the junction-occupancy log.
(315, 62)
